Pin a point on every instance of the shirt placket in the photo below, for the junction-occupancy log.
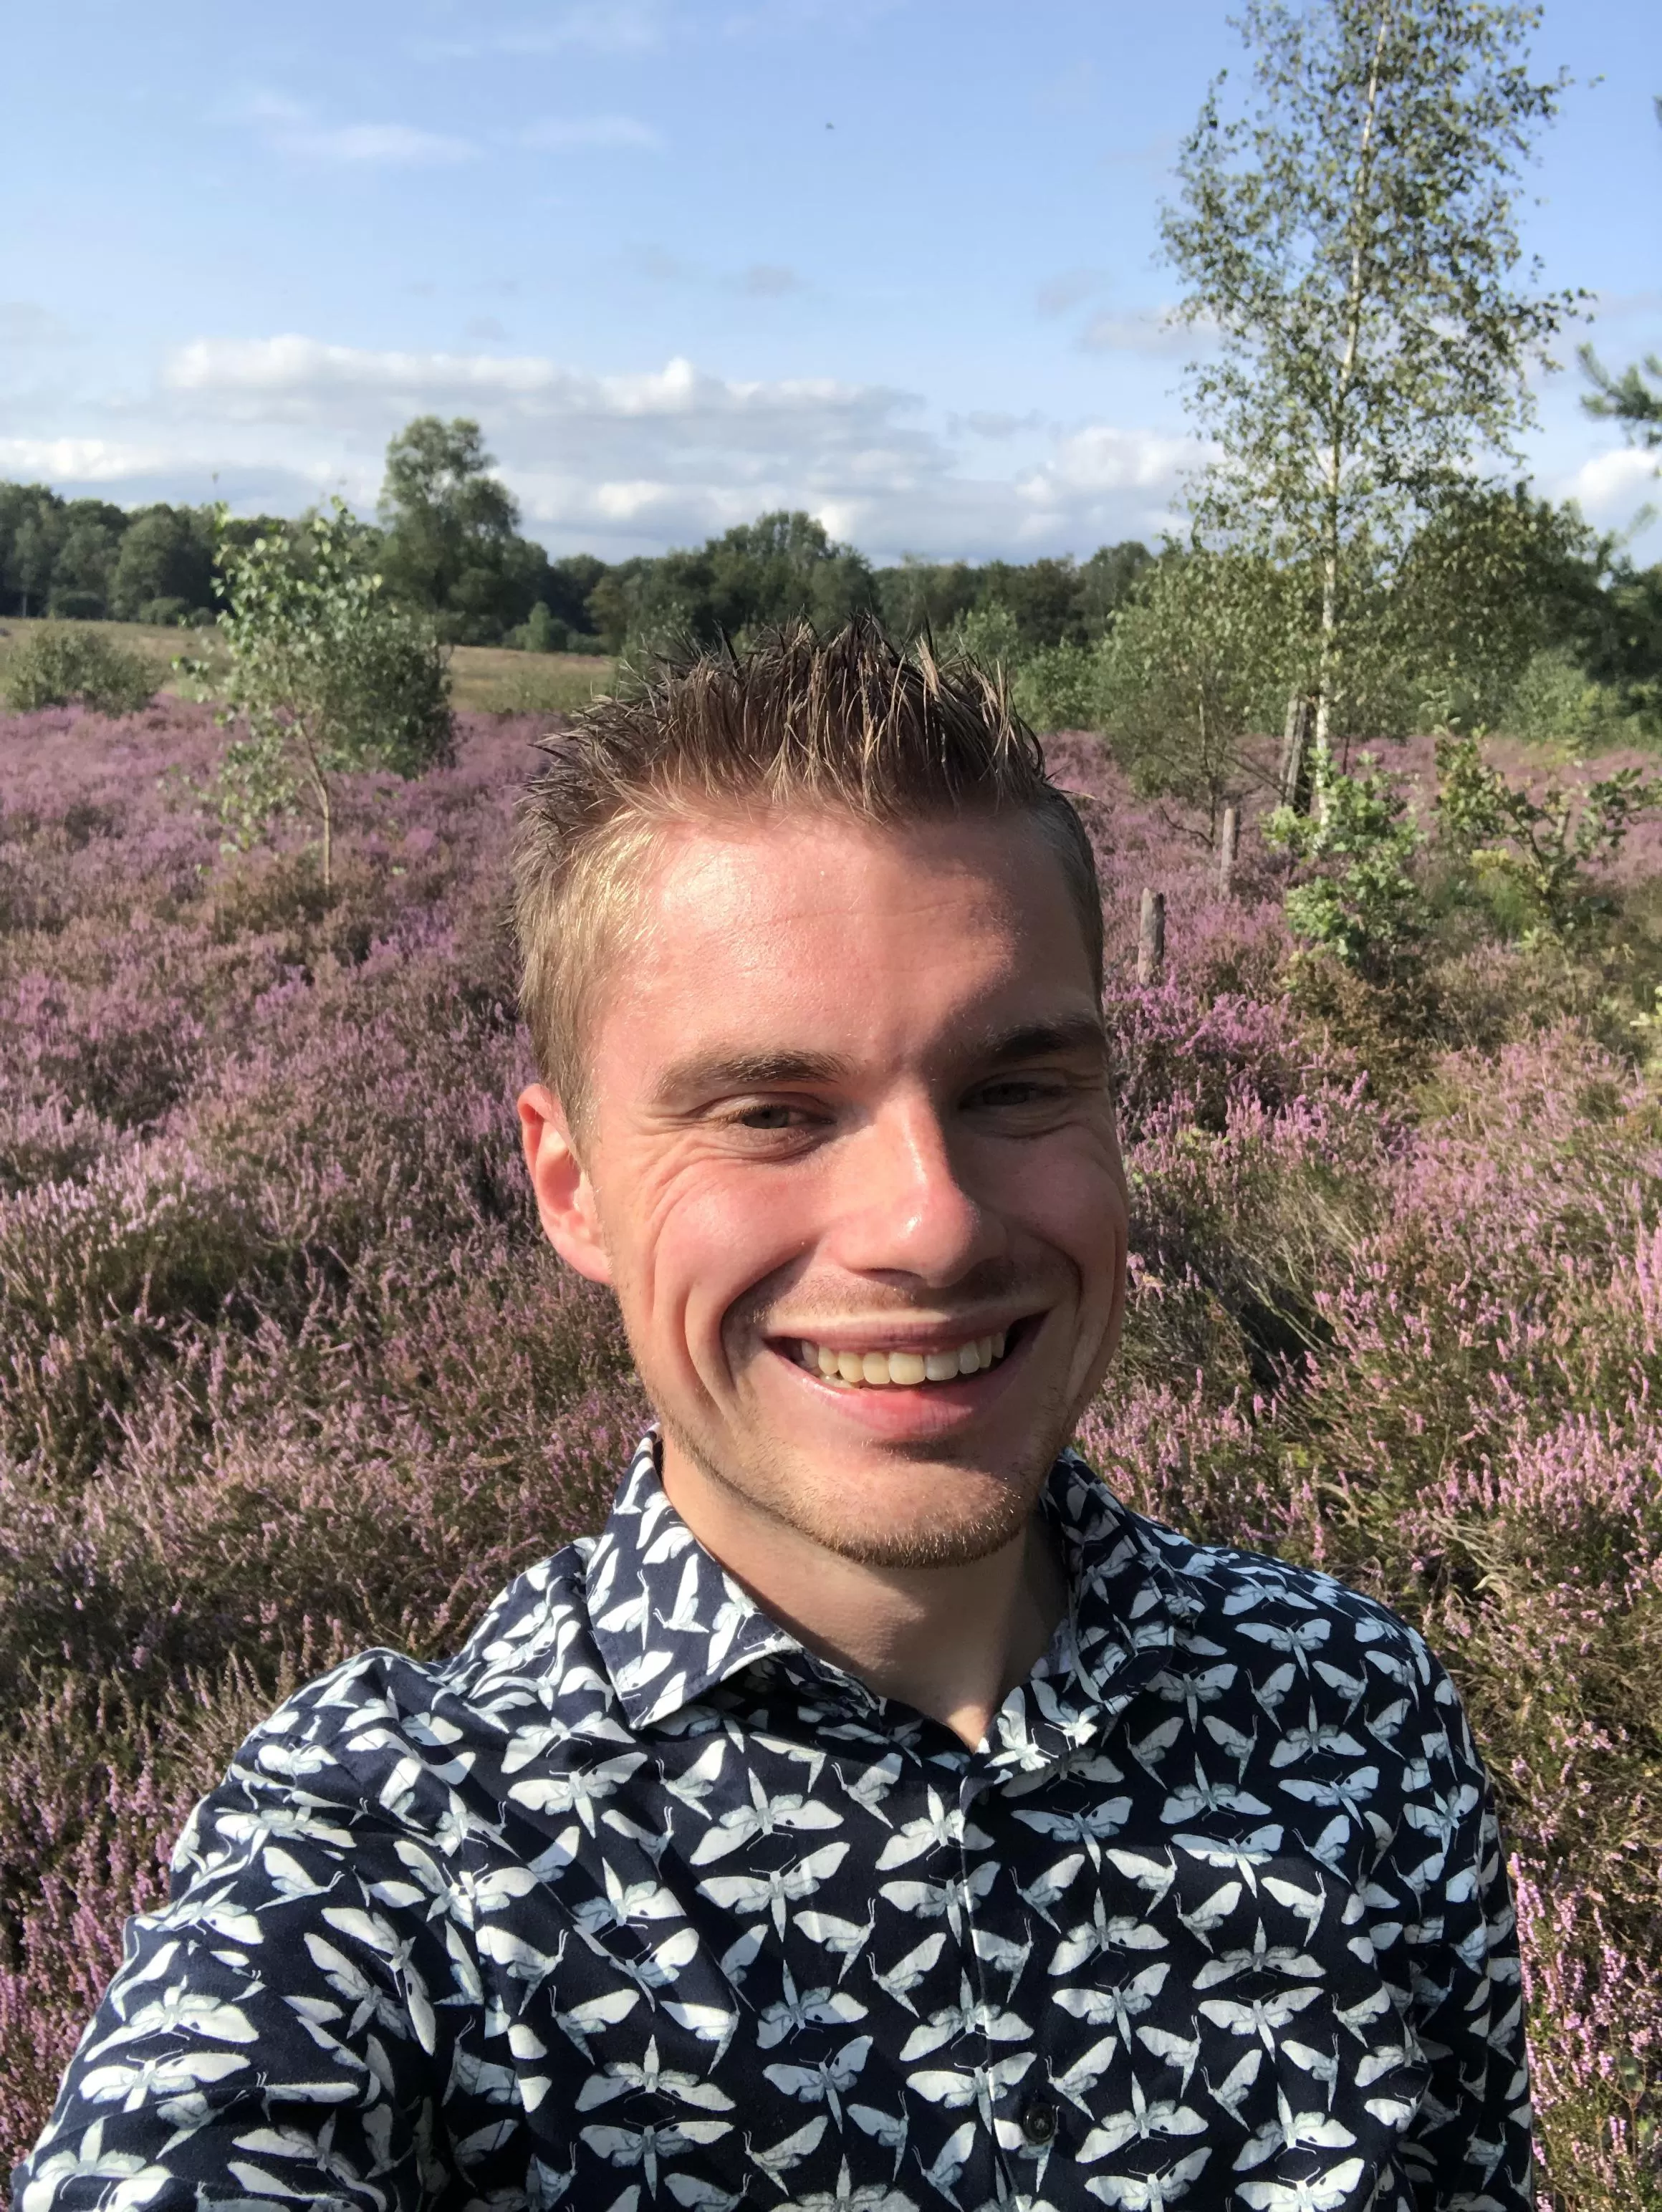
(1015, 2105)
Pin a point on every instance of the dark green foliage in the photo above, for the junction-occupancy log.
(756, 576)
(85, 561)
(568, 584)
(452, 546)
(1052, 601)
(58, 666)
(1624, 647)
(31, 528)
(165, 560)
(88, 559)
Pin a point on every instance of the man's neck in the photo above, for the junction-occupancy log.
(952, 1641)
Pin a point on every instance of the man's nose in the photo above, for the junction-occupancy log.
(904, 1207)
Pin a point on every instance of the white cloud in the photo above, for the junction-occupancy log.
(620, 464)
(77, 460)
(556, 134)
(293, 130)
(1610, 485)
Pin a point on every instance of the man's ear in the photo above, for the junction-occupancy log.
(565, 1196)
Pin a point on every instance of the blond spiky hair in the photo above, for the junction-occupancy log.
(851, 724)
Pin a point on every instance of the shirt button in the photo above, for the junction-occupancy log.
(1038, 2124)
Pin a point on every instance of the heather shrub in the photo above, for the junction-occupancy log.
(62, 665)
(285, 1368)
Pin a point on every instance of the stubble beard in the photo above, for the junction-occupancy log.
(818, 1508)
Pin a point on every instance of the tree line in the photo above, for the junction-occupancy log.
(449, 541)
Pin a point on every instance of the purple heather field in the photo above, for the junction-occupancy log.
(285, 1371)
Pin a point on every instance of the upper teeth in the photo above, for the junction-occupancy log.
(904, 1367)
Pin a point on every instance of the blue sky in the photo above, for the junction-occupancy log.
(891, 260)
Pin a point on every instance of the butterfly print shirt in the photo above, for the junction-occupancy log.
(635, 1904)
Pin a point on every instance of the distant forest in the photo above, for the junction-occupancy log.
(449, 539)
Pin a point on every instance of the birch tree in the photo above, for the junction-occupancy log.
(327, 676)
(1351, 242)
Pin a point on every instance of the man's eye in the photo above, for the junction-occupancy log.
(1018, 1091)
(770, 1117)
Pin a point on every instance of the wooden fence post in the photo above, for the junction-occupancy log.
(1295, 741)
(1229, 846)
(1151, 937)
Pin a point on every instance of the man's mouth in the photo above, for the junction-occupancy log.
(904, 1370)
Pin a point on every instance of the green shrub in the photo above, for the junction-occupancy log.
(57, 667)
(1535, 851)
(1364, 904)
(542, 631)
(167, 614)
(1201, 654)
(989, 634)
(1059, 687)
(77, 607)
(1555, 697)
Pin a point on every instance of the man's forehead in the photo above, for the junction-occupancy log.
(801, 946)
(730, 885)
(694, 853)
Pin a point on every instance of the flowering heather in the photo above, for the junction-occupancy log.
(285, 1368)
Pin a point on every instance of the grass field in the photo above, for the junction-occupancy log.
(484, 680)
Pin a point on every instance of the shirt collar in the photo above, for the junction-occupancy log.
(670, 1622)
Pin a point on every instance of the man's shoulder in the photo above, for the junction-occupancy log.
(397, 1739)
(1225, 1597)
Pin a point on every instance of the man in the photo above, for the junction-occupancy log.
(878, 1813)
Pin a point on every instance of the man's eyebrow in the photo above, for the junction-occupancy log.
(724, 1069)
(702, 1074)
(1073, 1034)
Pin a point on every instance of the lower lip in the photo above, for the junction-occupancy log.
(917, 1409)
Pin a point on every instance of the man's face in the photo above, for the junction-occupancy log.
(849, 1111)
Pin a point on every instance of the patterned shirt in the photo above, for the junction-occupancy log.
(636, 1902)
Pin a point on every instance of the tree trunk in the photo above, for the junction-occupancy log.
(1330, 630)
(1229, 846)
(1292, 777)
(1151, 937)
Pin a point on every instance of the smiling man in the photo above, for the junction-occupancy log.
(877, 1813)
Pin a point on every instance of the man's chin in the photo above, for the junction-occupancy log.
(919, 1513)
(938, 1543)
(881, 1506)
